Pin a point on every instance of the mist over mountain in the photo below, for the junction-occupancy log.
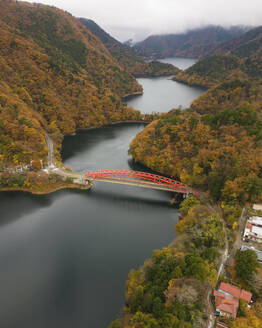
(194, 43)
(239, 58)
(126, 56)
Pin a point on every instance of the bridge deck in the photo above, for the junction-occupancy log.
(139, 179)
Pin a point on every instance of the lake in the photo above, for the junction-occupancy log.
(182, 63)
(65, 257)
(161, 94)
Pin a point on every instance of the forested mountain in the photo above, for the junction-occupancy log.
(211, 70)
(230, 94)
(127, 57)
(214, 146)
(238, 58)
(55, 76)
(247, 44)
(192, 44)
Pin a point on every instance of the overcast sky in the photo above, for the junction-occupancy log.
(137, 19)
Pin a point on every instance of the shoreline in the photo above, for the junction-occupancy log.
(107, 125)
(137, 93)
(138, 76)
(48, 190)
(204, 87)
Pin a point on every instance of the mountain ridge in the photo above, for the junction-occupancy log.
(48, 86)
(239, 58)
(193, 43)
(126, 56)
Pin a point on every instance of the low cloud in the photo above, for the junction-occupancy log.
(139, 18)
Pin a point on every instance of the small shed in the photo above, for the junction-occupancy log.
(257, 207)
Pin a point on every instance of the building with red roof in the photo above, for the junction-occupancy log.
(226, 304)
(236, 292)
(227, 299)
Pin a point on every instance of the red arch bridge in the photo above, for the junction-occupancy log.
(139, 179)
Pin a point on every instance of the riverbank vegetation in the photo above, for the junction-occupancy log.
(216, 150)
(215, 146)
(172, 288)
(37, 182)
(211, 70)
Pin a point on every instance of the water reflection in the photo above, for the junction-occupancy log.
(161, 94)
(127, 200)
(65, 257)
(182, 63)
(14, 205)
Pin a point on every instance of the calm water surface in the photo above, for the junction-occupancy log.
(65, 257)
(162, 94)
(182, 63)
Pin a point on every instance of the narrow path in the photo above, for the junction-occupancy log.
(238, 241)
(223, 259)
(50, 145)
(60, 171)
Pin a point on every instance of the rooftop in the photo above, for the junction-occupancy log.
(255, 220)
(227, 298)
(236, 292)
(226, 303)
(259, 253)
(257, 207)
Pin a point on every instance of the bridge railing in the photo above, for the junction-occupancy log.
(138, 177)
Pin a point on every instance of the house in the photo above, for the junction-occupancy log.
(259, 253)
(257, 207)
(225, 304)
(253, 229)
(236, 292)
(227, 299)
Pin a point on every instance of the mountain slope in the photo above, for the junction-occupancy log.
(55, 76)
(230, 94)
(192, 44)
(215, 146)
(128, 58)
(211, 70)
(245, 45)
(238, 58)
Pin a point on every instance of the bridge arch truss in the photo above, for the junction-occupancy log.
(139, 179)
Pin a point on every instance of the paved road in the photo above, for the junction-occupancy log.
(50, 145)
(60, 171)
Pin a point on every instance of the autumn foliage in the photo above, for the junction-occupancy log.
(55, 76)
(127, 57)
(238, 58)
(213, 148)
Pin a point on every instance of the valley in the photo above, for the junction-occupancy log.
(83, 253)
